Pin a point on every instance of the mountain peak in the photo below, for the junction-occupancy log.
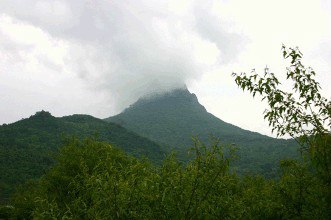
(172, 99)
(42, 114)
(172, 118)
(182, 91)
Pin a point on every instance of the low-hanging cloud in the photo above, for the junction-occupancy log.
(127, 49)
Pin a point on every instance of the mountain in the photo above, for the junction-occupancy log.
(27, 147)
(171, 119)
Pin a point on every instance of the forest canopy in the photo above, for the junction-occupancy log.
(94, 180)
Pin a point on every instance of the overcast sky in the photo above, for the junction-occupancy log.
(99, 56)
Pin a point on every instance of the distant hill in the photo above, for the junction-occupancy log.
(27, 147)
(171, 119)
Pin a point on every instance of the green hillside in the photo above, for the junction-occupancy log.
(27, 147)
(173, 118)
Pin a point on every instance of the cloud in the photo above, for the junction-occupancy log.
(213, 28)
(98, 56)
(127, 49)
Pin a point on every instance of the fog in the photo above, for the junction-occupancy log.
(99, 56)
(128, 49)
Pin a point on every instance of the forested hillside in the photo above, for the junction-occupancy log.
(28, 147)
(173, 118)
(95, 180)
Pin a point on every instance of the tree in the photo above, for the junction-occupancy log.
(303, 113)
(94, 180)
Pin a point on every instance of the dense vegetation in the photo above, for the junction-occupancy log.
(302, 113)
(27, 147)
(94, 180)
(172, 119)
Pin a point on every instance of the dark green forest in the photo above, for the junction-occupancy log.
(172, 119)
(28, 147)
(118, 174)
(94, 180)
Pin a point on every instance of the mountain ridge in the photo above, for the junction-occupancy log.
(28, 146)
(171, 119)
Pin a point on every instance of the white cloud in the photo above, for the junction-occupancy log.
(125, 50)
(97, 57)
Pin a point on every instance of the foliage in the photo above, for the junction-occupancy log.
(6, 211)
(302, 193)
(305, 115)
(94, 180)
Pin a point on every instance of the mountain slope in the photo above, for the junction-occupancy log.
(27, 147)
(173, 118)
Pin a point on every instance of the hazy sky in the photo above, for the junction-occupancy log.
(99, 56)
